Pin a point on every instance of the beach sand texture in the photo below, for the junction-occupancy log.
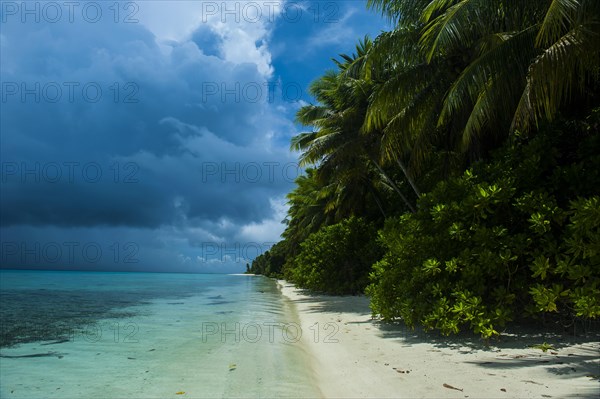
(356, 357)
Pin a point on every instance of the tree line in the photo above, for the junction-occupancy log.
(453, 167)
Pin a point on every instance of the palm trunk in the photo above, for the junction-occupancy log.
(410, 179)
(378, 202)
(395, 187)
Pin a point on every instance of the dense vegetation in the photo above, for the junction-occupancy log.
(468, 137)
(503, 240)
(337, 258)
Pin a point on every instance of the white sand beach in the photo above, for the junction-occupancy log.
(354, 356)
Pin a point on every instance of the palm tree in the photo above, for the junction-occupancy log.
(535, 58)
(407, 97)
(345, 156)
(308, 209)
(468, 72)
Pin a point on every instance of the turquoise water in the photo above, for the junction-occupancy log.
(146, 335)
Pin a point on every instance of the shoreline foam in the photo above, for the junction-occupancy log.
(375, 360)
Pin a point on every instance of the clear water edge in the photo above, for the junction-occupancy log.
(158, 344)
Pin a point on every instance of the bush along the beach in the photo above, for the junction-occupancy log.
(515, 237)
(451, 134)
(271, 262)
(336, 259)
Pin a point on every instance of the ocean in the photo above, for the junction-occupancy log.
(148, 335)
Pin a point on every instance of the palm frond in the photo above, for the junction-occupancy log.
(558, 19)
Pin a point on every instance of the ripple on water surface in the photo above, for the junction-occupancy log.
(67, 335)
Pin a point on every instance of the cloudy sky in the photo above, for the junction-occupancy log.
(154, 135)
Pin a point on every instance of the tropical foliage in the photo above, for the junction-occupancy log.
(469, 135)
(271, 262)
(336, 259)
(514, 237)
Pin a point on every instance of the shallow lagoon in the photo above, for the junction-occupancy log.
(146, 335)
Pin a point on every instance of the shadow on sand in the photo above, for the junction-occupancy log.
(513, 349)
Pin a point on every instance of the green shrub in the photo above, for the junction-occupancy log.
(270, 263)
(515, 237)
(336, 259)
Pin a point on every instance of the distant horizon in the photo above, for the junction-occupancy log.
(111, 271)
(134, 164)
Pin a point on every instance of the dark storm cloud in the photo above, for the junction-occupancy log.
(164, 144)
(178, 165)
(206, 40)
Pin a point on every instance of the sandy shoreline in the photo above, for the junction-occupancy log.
(354, 356)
